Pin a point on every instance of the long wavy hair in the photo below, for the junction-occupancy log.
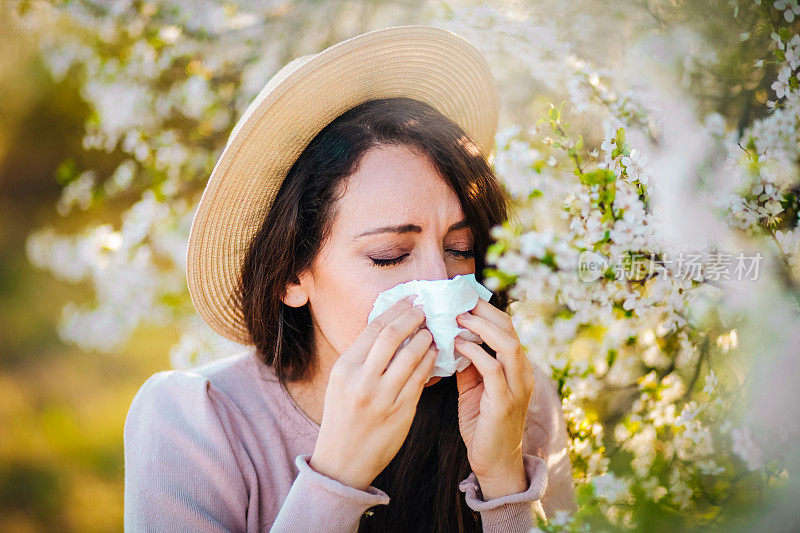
(422, 479)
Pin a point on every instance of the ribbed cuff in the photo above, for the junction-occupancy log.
(323, 501)
(514, 511)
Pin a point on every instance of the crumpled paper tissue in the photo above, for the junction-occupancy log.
(441, 300)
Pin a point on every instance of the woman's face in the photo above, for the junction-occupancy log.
(397, 221)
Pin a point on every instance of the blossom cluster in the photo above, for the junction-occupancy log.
(650, 421)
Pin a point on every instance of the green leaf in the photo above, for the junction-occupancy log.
(67, 171)
(504, 278)
(565, 313)
(550, 260)
(159, 193)
(620, 137)
(497, 247)
(611, 357)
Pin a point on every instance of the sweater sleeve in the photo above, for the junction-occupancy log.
(512, 513)
(319, 503)
(181, 471)
(185, 469)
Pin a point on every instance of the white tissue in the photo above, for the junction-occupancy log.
(442, 300)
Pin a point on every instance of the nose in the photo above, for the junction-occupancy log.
(432, 265)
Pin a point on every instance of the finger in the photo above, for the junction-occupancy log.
(468, 379)
(506, 345)
(530, 377)
(492, 313)
(494, 379)
(390, 338)
(407, 359)
(529, 372)
(413, 386)
(500, 319)
(361, 346)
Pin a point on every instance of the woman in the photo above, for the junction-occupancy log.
(312, 429)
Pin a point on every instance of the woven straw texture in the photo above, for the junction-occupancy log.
(429, 64)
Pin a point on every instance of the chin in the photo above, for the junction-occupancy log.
(433, 381)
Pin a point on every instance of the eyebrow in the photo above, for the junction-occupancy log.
(408, 228)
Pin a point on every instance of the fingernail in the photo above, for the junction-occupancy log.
(463, 315)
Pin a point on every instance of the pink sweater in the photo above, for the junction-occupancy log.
(225, 448)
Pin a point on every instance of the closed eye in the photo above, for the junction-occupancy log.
(461, 254)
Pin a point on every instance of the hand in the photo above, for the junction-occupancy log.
(372, 396)
(493, 397)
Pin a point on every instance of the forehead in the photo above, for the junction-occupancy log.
(394, 185)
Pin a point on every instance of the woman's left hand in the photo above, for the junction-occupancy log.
(493, 397)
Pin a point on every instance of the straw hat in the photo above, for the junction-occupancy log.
(426, 63)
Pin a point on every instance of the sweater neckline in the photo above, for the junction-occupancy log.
(268, 374)
(289, 398)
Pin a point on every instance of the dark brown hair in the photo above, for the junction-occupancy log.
(422, 479)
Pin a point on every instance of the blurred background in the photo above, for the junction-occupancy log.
(62, 408)
(113, 114)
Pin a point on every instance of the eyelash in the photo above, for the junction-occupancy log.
(463, 254)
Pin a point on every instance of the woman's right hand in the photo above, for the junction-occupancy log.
(369, 406)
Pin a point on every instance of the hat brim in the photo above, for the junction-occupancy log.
(426, 63)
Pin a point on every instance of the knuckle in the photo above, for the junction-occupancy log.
(362, 396)
(375, 327)
(389, 333)
(380, 402)
(494, 367)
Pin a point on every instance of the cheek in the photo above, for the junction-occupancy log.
(344, 291)
(341, 304)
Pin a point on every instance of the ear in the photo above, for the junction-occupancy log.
(296, 294)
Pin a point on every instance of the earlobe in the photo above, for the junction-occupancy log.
(296, 295)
